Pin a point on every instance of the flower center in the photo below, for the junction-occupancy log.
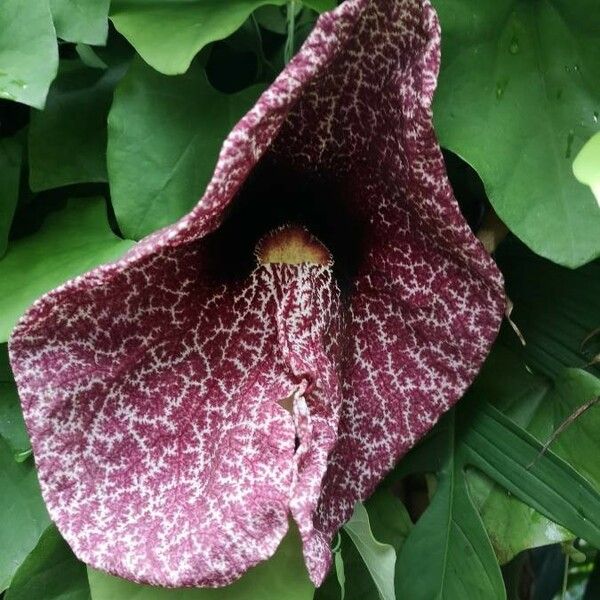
(292, 245)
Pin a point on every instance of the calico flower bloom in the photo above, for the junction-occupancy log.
(277, 350)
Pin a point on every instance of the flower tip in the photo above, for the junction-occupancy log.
(292, 245)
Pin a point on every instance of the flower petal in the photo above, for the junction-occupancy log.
(138, 337)
(163, 453)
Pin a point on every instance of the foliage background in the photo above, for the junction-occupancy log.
(111, 118)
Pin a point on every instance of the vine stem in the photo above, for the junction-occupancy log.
(291, 26)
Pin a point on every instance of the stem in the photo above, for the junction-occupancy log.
(291, 26)
(563, 594)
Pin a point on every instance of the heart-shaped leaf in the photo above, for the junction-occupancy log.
(167, 35)
(519, 93)
(164, 135)
(28, 51)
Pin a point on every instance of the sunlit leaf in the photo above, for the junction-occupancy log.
(380, 559)
(24, 515)
(168, 35)
(83, 21)
(70, 242)
(163, 140)
(28, 51)
(283, 576)
(518, 95)
(50, 572)
(586, 166)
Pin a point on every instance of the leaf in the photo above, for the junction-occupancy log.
(84, 21)
(320, 5)
(50, 572)
(70, 242)
(10, 170)
(67, 141)
(380, 559)
(23, 516)
(167, 35)
(586, 166)
(540, 406)
(283, 576)
(449, 538)
(512, 457)
(164, 135)
(555, 309)
(518, 94)
(28, 51)
(12, 426)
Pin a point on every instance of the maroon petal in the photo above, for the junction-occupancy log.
(152, 386)
(162, 448)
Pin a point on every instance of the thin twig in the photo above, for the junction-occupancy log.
(570, 419)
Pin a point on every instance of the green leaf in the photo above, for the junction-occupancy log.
(586, 166)
(541, 406)
(28, 51)
(519, 93)
(83, 21)
(380, 559)
(450, 536)
(167, 35)
(283, 576)
(513, 458)
(449, 539)
(320, 5)
(164, 136)
(555, 308)
(10, 170)
(67, 141)
(12, 426)
(23, 516)
(50, 572)
(70, 242)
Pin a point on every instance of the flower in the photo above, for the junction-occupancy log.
(232, 370)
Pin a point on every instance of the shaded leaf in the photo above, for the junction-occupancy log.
(23, 516)
(380, 559)
(12, 426)
(167, 35)
(70, 242)
(28, 51)
(50, 572)
(320, 5)
(540, 406)
(67, 141)
(164, 136)
(449, 538)
(83, 21)
(10, 169)
(283, 576)
(518, 95)
(555, 308)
